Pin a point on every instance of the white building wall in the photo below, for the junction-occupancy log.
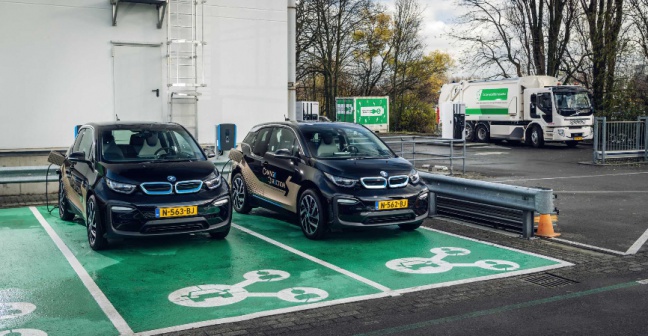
(56, 65)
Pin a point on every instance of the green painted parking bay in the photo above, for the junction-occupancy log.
(52, 282)
(404, 261)
(182, 280)
(40, 294)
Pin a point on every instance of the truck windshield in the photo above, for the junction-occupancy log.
(340, 141)
(139, 144)
(573, 103)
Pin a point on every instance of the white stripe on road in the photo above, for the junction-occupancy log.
(103, 302)
(569, 177)
(315, 260)
(589, 247)
(638, 244)
(261, 314)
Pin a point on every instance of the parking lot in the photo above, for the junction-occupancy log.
(600, 206)
(266, 278)
(264, 267)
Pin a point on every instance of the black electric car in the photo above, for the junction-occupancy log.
(142, 179)
(329, 175)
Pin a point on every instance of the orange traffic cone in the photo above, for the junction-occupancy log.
(545, 227)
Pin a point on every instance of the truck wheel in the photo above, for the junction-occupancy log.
(571, 144)
(535, 137)
(470, 132)
(482, 133)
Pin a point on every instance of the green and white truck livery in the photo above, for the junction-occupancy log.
(534, 109)
(373, 112)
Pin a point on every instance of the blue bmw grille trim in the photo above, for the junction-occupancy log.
(188, 191)
(157, 192)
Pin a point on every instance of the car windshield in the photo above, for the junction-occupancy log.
(340, 141)
(573, 103)
(140, 144)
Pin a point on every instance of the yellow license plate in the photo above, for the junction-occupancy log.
(176, 211)
(578, 138)
(390, 205)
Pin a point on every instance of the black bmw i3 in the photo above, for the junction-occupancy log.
(142, 179)
(327, 174)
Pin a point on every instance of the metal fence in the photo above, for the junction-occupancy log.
(409, 147)
(620, 139)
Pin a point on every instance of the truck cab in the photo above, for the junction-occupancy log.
(558, 114)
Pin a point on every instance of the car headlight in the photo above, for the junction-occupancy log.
(213, 181)
(414, 176)
(341, 181)
(124, 188)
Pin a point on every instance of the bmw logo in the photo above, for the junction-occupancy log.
(171, 178)
(383, 173)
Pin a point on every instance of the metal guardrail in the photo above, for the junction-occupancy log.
(415, 156)
(620, 139)
(37, 174)
(495, 204)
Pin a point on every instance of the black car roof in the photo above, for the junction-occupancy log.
(101, 126)
(302, 124)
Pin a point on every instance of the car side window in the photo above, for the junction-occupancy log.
(261, 142)
(84, 143)
(282, 138)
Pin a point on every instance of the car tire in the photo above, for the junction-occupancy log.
(63, 207)
(571, 144)
(481, 133)
(535, 137)
(218, 235)
(469, 131)
(95, 225)
(240, 195)
(409, 227)
(312, 215)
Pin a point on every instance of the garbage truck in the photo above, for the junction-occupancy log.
(532, 109)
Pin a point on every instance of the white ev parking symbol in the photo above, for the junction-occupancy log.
(222, 295)
(437, 264)
(10, 310)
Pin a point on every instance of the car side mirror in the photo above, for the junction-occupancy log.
(284, 154)
(80, 157)
(77, 157)
(210, 153)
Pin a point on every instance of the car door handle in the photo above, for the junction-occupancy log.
(265, 163)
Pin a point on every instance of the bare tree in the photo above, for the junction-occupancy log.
(519, 37)
(331, 24)
(604, 19)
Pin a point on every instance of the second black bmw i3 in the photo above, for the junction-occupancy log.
(329, 175)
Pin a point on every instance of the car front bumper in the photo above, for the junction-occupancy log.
(136, 216)
(360, 210)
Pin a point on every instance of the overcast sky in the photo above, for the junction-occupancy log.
(438, 15)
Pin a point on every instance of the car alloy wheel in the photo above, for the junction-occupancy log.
(96, 237)
(311, 215)
(239, 195)
(64, 212)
